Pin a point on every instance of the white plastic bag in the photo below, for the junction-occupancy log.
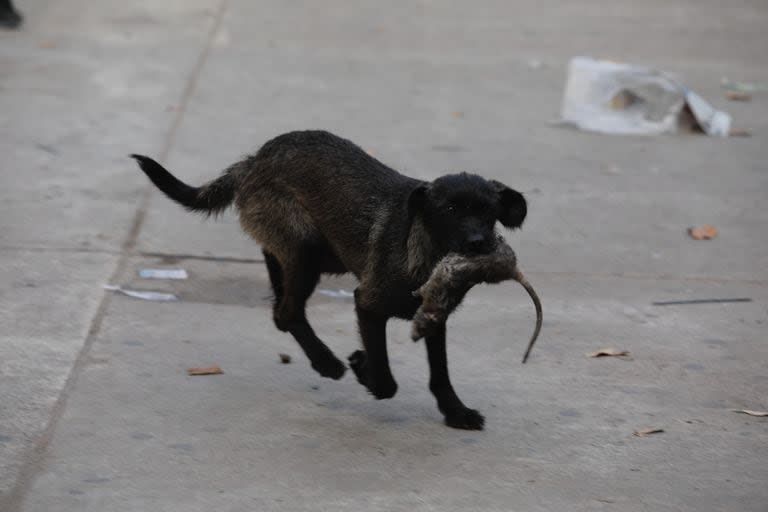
(616, 98)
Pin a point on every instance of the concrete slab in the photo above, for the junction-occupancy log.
(429, 89)
(46, 308)
(75, 105)
(269, 436)
(72, 105)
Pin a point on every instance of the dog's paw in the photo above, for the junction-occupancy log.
(331, 368)
(465, 419)
(328, 365)
(382, 388)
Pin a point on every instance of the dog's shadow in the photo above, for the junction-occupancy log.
(372, 411)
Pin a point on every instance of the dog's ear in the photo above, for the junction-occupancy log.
(512, 206)
(417, 199)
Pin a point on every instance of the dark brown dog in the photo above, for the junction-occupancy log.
(318, 204)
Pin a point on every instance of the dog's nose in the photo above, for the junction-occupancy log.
(477, 243)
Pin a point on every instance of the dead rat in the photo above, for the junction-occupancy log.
(455, 275)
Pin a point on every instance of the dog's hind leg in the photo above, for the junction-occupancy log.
(293, 281)
(457, 415)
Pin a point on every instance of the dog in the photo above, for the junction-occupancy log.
(319, 204)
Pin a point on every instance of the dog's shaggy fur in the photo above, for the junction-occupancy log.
(319, 204)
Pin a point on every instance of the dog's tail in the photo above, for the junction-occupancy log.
(210, 199)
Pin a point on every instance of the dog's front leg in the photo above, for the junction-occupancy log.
(372, 365)
(457, 415)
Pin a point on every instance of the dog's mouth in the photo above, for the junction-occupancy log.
(477, 249)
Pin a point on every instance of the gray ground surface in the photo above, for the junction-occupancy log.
(96, 410)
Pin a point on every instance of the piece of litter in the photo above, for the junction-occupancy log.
(703, 232)
(285, 358)
(743, 86)
(759, 414)
(163, 273)
(205, 370)
(738, 96)
(699, 301)
(144, 295)
(609, 352)
(457, 115)
(647, 431)
(617, 98)
(705, 117)
(337, 294)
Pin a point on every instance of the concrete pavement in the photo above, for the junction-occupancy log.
(96, 410)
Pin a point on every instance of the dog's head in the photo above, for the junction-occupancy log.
(460, 211)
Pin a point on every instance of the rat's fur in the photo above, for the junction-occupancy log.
(454, 276)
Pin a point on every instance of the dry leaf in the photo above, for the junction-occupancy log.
(609, 352)
(647, 431)
(285, 358)
(208, 370)
(759, 414)
(739, 132)
(457, 115)
(703, 232)
(738, 96)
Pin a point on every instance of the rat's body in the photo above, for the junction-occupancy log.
(455, 275)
